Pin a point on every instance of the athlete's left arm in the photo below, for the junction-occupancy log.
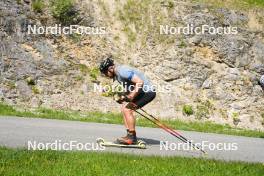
(138, 86)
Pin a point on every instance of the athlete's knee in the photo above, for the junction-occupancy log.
(125, 110)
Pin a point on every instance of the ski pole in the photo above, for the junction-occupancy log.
(172, 132)
(161, 126)
(168, 129)
(156, 119)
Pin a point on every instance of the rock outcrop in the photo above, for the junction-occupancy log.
(217, 75)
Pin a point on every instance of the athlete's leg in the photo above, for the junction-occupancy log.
(129, 117)
(129, 121)
(124, 118)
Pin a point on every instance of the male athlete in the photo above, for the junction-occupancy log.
(139, 92)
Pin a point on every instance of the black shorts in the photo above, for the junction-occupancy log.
(144, 98)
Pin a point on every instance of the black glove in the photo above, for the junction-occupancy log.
(121, 99)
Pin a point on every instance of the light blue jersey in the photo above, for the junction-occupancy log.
(124, 75)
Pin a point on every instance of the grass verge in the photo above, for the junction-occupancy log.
(23, 162)
(115, 118)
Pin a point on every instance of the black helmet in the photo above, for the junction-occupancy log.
(105, 64)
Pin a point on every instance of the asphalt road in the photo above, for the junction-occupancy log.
(18, 132)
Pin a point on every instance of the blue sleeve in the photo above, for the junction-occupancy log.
(126, 74)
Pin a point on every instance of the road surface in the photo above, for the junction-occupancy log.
(19, 132)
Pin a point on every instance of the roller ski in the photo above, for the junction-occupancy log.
(138, 144)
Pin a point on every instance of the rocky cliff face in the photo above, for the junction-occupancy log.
(211, 77)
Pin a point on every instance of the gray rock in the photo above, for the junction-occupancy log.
(198, 19)
(35, 102)
(196, 39)
(231, 47)
(233, 71)
(243, 61)
(258, 50)
(23, 89)
(257, 90)
(237, 106)
(227, 67)
(231, 17)
(257, 67)
(44, 48)
(1, 94)
(20, 67)
(51, 64)
(207, 84)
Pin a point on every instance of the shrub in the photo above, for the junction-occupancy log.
(203, 109)
(182, 44)
(38, 5)
(35, 90)
(235, 117)
(83, 68)
(64, 11)
(94, 72)
(11, 85)
(79, 78)
(30, 81)
(18, 1)
(187, 110)
(223, 113)
(75, 37)
(170, 4)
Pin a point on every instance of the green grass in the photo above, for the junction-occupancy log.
(253, 3)
(23, 162)
(116, 118)
(141, 20)
(234, 4)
